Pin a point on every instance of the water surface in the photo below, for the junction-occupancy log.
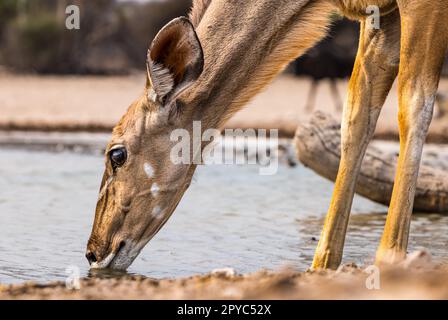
(230, 217)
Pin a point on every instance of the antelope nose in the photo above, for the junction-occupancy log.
(91, 257)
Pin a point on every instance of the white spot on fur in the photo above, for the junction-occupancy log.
(156, 212)
(149, 170)
(155, 189)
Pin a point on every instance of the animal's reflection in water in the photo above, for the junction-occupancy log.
(113, 274)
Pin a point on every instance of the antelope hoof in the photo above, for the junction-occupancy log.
(392, 256)
(326, 260)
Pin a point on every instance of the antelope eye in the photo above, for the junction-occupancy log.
(118, 156)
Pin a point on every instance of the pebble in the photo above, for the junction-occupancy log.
(227, 272)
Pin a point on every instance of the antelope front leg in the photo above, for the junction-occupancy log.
(423, 45)
(375, 70)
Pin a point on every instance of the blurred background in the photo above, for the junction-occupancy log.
(115, 34)
(112, 39)
(37, 49)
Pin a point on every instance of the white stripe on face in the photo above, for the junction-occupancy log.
(104, 263)
(103, 190)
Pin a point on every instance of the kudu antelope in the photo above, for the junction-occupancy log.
(207, 67)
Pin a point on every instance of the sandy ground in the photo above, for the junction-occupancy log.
(348, 282)
(96, 103)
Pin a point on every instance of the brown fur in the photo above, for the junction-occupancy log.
(198, 10)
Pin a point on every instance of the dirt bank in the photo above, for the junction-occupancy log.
(347, 283)
(95, 103)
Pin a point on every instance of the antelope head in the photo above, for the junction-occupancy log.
(141, 186)
(244, 51)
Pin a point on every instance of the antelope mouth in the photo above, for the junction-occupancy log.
(108, 262)
(103, 263)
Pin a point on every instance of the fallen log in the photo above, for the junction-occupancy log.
(318, 147)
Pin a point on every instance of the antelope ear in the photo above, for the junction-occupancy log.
(175, 60)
